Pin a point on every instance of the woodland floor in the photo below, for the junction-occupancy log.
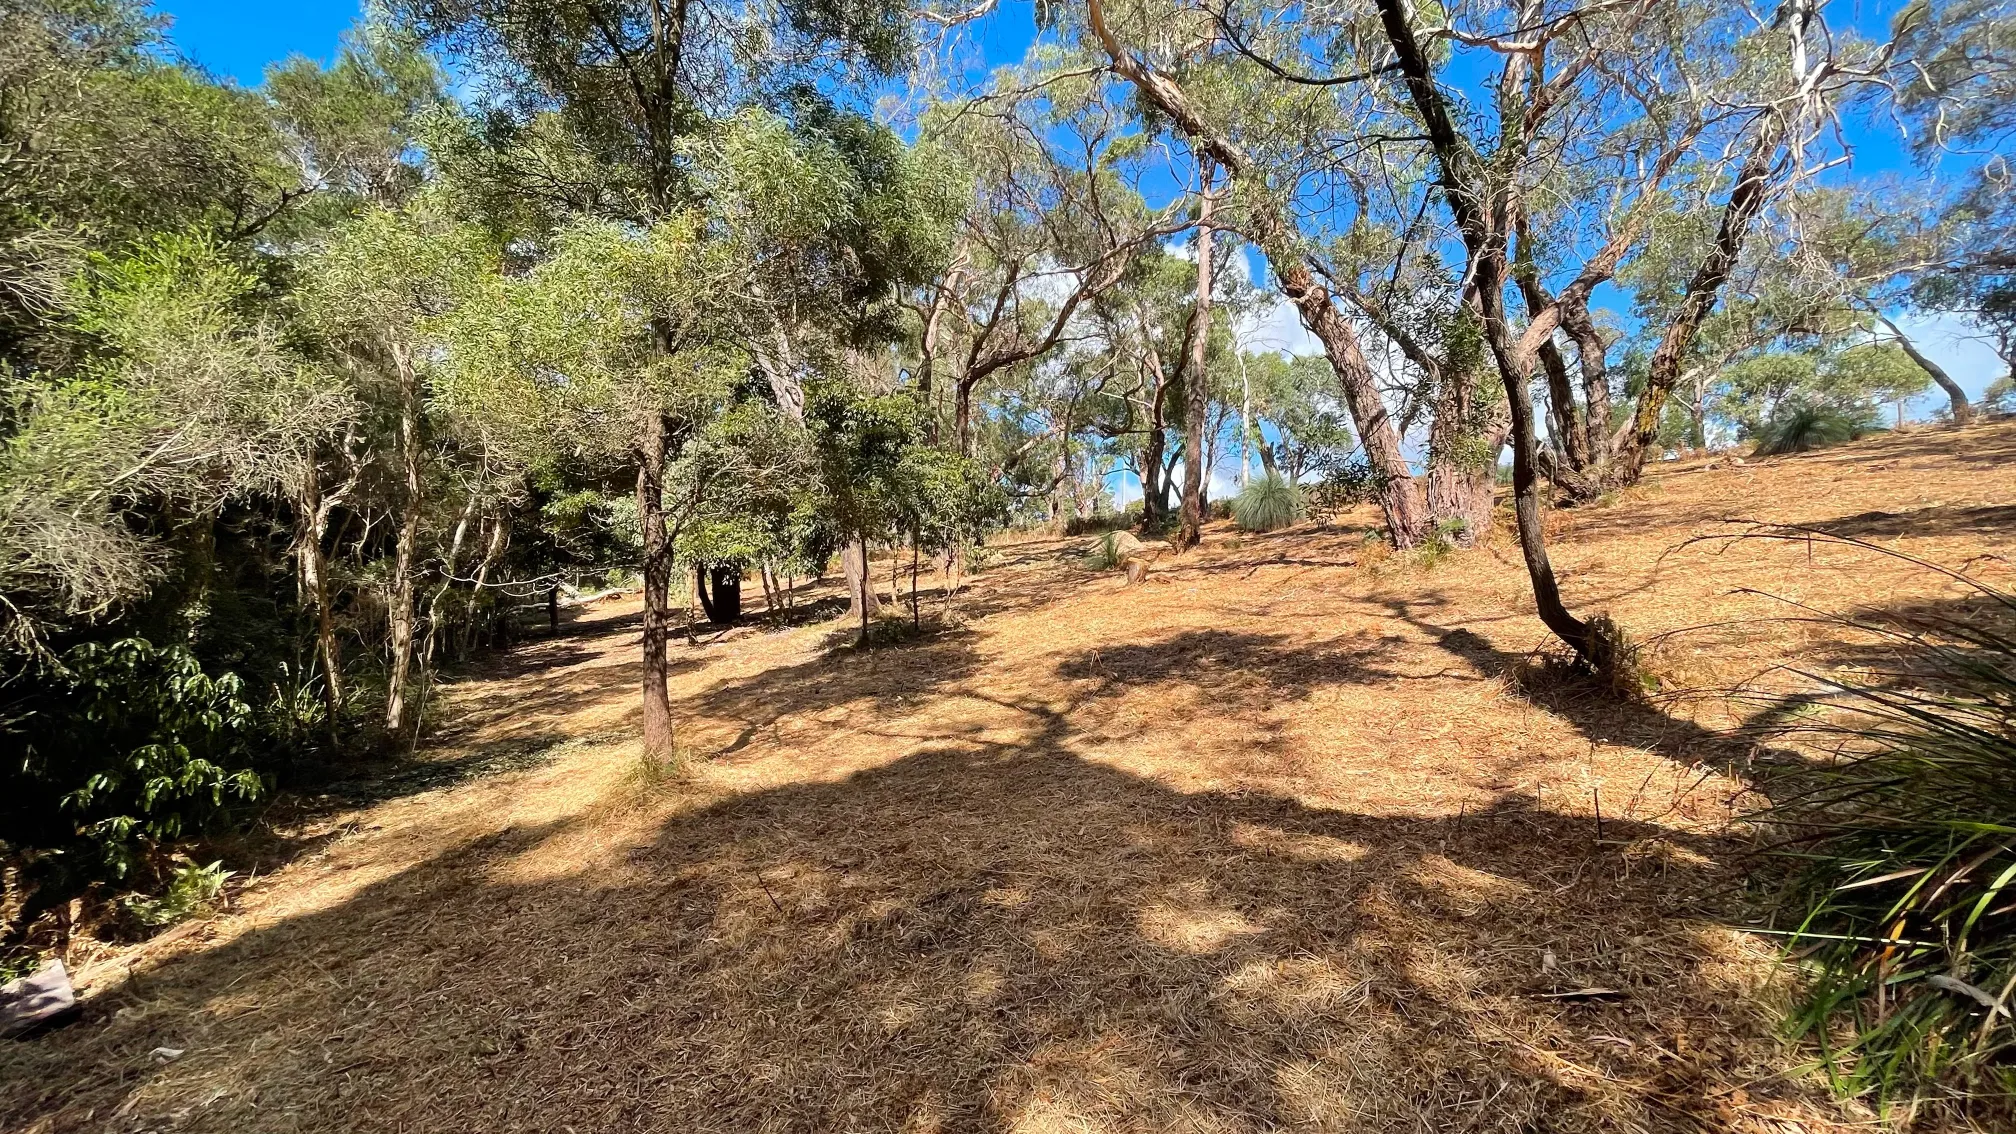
(1270, 842)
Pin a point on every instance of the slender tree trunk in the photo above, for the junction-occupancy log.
(493, 553)
(1532, 533)
(400, 608)
(1567, 429)
(782, 369)
(660, 744)
(313, 523)
(861, 599)
(1699, 408)
(1245, 422)
(1195, 386)
(1154, 494)
(434, 601)
(1963, 413)
(962, 415)
(1479, 209)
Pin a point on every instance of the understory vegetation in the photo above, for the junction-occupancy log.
(318, 389)
(1904, 914)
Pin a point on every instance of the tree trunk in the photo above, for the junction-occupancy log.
(1567, 429)
(862, 602)
(1154, 489)
(493, 553)
(962, 415)
(400, 608)
(1268, 227)
(1590, 359)
(700, 592)
(311, 525)
(1484, 239)
(1963, 413)
(1195, 402)
(1152, 497)
(1462, 481)
(1699, 408)
(660, 745)
(1746, 200)
(727, 580)
(434, 619)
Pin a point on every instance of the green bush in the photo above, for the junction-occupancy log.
(1905, 913)
(1804, 427)
(1269, 504)
(118, 752)
(190, 890)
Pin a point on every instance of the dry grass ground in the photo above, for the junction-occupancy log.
(1270, 842)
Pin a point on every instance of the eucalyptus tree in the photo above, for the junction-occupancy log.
(602, 109)
(616, 348)
(350, 129)
(1633, 92)
(1056, 220)
(1263, 139)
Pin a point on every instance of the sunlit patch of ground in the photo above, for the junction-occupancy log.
(1273, 841)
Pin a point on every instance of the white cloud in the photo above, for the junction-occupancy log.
(1274, 324)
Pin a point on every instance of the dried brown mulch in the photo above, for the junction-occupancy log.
(1272, 841)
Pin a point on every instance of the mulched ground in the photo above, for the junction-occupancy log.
(1280, 839)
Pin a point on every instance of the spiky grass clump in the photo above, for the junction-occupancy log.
(1111, 550)
(1269, 504)
(1805, 427)
(1905, 916)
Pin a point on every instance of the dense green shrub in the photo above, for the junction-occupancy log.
(1268, 504)
(118, 752)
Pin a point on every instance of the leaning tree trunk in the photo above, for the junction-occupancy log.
(1195, 402)
(1963, 413)
(1268, 227)
(1746, 200)
(1484, 240)
(1527, 505)
(660, 744)
(400, 609)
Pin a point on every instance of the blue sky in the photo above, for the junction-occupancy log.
(237, 40)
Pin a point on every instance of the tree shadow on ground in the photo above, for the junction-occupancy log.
(1597, 713)
(881, 680)
(1235, 669)
(375, 783)
(972, 938)
(1922, 523)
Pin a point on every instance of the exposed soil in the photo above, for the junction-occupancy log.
(1272, 841)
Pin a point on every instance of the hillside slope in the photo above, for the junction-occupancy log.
(1269, 842)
